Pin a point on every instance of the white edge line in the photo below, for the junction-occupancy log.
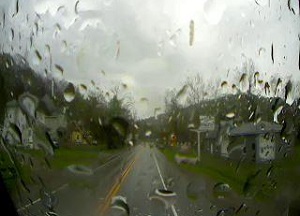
(39, 199)
(164, 185)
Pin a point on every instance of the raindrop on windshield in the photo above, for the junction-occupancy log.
(119, 206)
(69, 92)
(272, 53)
(261, 2)
(195, 189)
(82, 89)
(12, 35)
(293, 6)
(261, 51)
(38, 57)
(167, 197)
(191, 32)
(76, 7)
(243, 207)
(221, 190)
(148, 133)
(160, 48)
(59, 69)
(288, 90)
(226, 212)
(80, 169)
(173, 40)
(143, 99)
(224, 84)
(230, 115)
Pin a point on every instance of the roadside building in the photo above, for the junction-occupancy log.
(259, 142)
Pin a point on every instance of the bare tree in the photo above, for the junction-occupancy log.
(197, 88)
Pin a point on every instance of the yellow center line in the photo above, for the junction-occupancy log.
(116, 187)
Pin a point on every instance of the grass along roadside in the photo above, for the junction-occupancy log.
(32, 164)
(261, 181)
(63, 157)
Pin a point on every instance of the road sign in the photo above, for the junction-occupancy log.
(207, 123)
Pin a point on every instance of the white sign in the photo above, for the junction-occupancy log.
(207, 123)
(266, 149)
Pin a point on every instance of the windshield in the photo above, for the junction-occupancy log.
(170, 107)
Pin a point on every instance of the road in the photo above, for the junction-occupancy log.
(136, 176)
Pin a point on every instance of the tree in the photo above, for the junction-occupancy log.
(196, 86)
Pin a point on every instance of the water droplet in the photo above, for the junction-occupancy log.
(48, 199)
(226, 212)
(148, 133)
(243, 206)
(293, 6)
(69, 92)
(82, 89)
(191, 32)
(119, 204)
(25, 186)
(118, 50)
(261, 2)
(288, 90)
(47, 162)
(173, 40)
(261, 51)
(267, 88)
(76, 7)
(59, 69)
(250, 188)
(272, 53)
(120, 125)
(60, 8)
(195, 189)
(224, 84)
(160, 48)
(167, 197)
(100, 121)
(182, 91)
(143, 99)
(230, 115)
(276, 113)
(221, 189)
(80, 169)
(12, 35)
(251, 24)
(38, 57)
(270, 171)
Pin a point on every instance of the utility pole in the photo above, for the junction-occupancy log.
(198, 142)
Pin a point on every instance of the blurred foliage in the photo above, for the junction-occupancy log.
(91, 113)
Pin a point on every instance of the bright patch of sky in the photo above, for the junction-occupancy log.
(145, 44)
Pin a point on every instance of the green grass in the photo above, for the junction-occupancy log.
(215, 168)
(238, 176)
(65, 156)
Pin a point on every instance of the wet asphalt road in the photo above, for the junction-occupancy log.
(135, 176)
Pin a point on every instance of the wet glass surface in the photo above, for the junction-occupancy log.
(117, 107)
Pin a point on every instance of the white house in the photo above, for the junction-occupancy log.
(258, 142)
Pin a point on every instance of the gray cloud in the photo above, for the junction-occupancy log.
(153, 37)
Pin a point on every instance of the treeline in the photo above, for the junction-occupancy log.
(250, 100)
(108, 120)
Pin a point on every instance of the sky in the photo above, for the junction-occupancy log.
(146, 44)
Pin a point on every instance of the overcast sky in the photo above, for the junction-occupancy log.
(145, 44)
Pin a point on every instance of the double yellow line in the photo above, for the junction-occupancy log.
(116, 188)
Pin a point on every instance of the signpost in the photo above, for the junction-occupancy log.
(207, 123)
